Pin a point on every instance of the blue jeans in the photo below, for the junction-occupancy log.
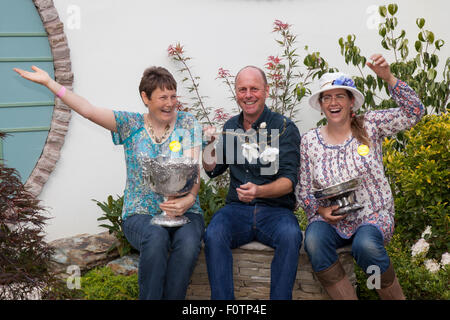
(162, 275)
(322, 240)
(235, 225)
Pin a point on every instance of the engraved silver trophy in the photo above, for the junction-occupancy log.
(170, 177)
(341, 194)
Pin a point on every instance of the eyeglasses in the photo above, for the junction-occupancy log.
(340, 98)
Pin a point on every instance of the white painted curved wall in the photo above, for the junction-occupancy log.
(113, 41)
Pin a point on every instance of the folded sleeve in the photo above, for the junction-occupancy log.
(387, 122)
(127, 123)
(289, 153)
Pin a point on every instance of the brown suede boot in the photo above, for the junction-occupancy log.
(390, 287)
(336, 283)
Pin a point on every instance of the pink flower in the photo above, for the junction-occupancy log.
(276, 76)
(180, 106)
(270, 66)
(177, 50)
(279, 26)
(220, 115)
(223, 73)
(275, 60)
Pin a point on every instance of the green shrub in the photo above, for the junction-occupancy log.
(103, 284)
(112, 211)
(417, 282)
(302, 219)
(420, 180)
(212, 198)
(418, 67)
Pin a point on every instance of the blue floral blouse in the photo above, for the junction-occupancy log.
(131, 133)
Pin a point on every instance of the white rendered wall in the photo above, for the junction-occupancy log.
(113, 41)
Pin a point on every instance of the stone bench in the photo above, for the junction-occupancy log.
(251, 267)
(251, 270)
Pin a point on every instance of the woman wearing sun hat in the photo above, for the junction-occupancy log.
(350, 146)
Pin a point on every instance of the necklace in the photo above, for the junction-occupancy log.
(152, 132)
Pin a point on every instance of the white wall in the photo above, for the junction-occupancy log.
(113, 41)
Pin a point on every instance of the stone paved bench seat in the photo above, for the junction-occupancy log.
(251, 270)
(251, 267)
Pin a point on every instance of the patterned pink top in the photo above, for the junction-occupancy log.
(323, 165)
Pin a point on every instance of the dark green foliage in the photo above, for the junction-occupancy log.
(212, 198)
(417, 282)
(420, 180)
(112, 211)
(420, 71)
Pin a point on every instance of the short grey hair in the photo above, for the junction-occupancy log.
(263, 74)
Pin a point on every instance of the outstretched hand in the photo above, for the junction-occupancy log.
(38, 76)
(380, 66)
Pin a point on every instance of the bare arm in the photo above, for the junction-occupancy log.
(101, 116)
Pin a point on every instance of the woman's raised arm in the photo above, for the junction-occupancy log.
(101, 116)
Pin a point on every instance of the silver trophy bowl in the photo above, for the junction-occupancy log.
(341, 194)
(170, 177)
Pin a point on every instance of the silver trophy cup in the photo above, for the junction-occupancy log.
(170, 177)
(341, 194)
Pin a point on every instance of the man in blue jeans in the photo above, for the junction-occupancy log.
(261, 149)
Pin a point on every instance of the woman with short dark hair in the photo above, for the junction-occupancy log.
(161, 275)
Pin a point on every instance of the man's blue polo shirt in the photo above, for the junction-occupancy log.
(271, 129)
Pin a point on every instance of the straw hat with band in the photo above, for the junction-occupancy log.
(337, 80)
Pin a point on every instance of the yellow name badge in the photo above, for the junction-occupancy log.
(363, 150)
(175, 146)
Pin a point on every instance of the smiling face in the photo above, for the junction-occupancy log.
(161, 105)
(251, 92)
(336, 105)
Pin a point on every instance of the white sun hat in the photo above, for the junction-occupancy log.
(337, 80)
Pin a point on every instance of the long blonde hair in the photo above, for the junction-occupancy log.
(358, 130)
(357, 125)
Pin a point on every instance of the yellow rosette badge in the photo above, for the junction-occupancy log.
(175, 146)
(363, 150)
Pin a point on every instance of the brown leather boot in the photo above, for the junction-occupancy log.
(336, 283)
(390, 287)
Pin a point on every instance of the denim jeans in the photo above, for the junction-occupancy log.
(235, 225)
(322, 240)
(167, 255)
